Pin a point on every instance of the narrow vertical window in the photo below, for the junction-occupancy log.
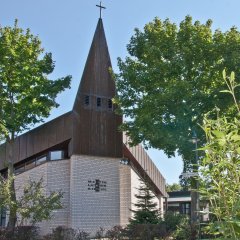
(86, 100)
(2, 217)
(110, 105)
(99, 102)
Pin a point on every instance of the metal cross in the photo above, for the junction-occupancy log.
(100, 7)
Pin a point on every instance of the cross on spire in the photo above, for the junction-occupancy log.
(100, 8)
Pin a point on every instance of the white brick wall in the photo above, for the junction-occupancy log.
(90, 210)
(86, 209)
(125, 194)
(56, 177)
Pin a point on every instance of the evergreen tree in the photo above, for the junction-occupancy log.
(146, 209)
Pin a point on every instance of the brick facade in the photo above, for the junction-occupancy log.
(83, 207)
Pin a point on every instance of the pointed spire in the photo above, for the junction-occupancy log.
(96, 78)
(97, 132)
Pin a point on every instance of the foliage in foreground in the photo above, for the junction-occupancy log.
(20, 233)
(165, 230)
(33, 205)
(220, 169)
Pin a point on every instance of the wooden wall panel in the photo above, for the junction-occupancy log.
(40, 139)
(96, 128)
(145, 166)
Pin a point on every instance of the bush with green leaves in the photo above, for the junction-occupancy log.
(20, 233)
(220, 169)
(172, 220)
(33, 205)
(115, 233)
(185, 230)
(65, 233)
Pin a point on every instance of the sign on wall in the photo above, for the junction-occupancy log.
(97, 185)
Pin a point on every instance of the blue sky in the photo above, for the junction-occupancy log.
(66, 29)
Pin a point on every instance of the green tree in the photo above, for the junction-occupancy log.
(171, 78)
(143, 224)
(34, 205)
(26, 93)
(146, 209)
(173, 187)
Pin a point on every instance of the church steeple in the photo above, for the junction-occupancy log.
(96, 78)
(97, 125)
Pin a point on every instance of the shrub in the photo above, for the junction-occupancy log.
(116, 233)
(99, 233)
(172, 220)
(145, 231)
(82, 235)
(185, 230)
(63, 233)
(20, 233)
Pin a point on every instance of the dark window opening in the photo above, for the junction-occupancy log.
(30, 165)
(86, 100)
(186, 208)
(110, 105)
(41, 160)
(2, 217)
(99, 102)
(19, 169)
(58, 152)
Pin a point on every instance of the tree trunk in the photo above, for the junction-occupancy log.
(12, 197)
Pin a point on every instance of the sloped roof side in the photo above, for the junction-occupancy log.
(145, 166)
(96, 127)
(39, 139)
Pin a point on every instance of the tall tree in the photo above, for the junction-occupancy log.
(26, 93)
(171, 78)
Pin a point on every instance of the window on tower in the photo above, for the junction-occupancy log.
(99, 102)
(86, 100)
(110, 105)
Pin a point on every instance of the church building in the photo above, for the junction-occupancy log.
(81, 153)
